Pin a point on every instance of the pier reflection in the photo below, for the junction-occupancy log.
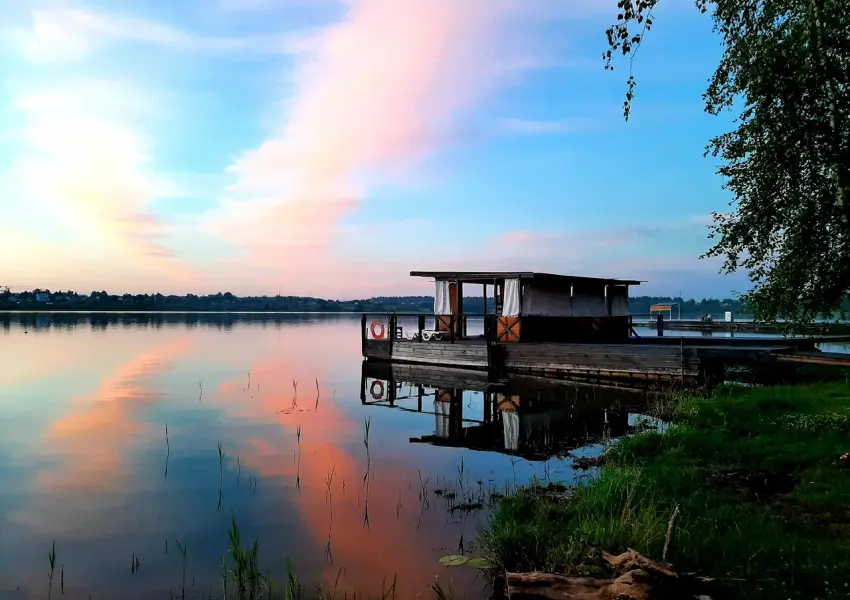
(531, 418)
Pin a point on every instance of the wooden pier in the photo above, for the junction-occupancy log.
(837, 331)
(563, 327)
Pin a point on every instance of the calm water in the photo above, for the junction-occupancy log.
(85, 461)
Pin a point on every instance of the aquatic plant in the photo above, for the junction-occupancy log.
(246, 574)
(183, 548)
(167, 452)
(51, 559)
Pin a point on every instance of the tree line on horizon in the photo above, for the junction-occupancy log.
(39, 299)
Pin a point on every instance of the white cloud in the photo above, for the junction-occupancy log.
(530, 126)
(67, 34)
(267, 5)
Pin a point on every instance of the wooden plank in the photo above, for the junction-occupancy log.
(837, 359)
(427, 375)
(623, 359)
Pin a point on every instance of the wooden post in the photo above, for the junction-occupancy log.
(456, 414)
(660, 325)
(363, 334)
(461, 322)
(421, 326)
(452, 329)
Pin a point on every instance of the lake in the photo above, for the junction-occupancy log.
(112, 428)
(109, 447)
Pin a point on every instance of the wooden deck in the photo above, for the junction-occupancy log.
(677, 360)
(614, 361)
(835, 359)
(469, 354)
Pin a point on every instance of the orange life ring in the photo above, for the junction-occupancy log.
(379, 394)
(377, 330)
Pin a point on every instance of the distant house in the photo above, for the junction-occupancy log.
(42, 297)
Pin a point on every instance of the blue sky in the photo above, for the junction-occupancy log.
(332, 146)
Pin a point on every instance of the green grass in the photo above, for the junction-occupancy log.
(764, 502)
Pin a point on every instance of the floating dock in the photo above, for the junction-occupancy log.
(563, 327)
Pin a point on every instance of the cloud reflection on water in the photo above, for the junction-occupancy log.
(102, 491)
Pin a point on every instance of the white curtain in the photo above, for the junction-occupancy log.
(442, 299)
(510, 430)
(511, 301)
(442, 418)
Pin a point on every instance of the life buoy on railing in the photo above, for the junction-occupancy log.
(377, 330)
(377, 389)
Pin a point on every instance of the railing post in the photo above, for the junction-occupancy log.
(660, 325)
(421, 326)
(452, 329)
(363, 333)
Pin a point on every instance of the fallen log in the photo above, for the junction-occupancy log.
(639, 578)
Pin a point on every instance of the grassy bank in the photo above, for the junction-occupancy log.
(763, 498)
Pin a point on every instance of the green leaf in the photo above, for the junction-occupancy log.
(479, 562)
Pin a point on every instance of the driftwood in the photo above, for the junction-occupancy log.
(640, 578)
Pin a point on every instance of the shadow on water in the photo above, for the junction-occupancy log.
(162, 429)
(531, 418)
(47, 320)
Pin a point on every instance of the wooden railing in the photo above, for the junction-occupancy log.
(392, 327)
(656, 318)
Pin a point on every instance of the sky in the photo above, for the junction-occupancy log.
(329, 147)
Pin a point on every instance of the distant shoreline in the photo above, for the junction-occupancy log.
(62, 311)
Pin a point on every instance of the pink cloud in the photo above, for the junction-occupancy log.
(378, 92)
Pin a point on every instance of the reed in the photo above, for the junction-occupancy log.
(221, 457)
(329, 482)
(167, 452)
(318, 395)
(246, 574)
(51, 559)
(183, 548)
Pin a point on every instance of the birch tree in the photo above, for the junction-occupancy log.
(785, 67)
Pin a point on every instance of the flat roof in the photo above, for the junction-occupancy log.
(489, 276)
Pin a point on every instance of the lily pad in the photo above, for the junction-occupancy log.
(454, 560)
(477, 562)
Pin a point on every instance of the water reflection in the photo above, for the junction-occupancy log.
(85, 460)
(533, 419)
